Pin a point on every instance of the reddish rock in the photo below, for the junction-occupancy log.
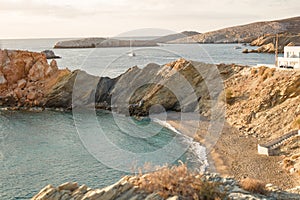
(14, 71)
(31, 95)
(22, 83)
(37, 72)
(53, 65)
(18, 93)
(26, 77)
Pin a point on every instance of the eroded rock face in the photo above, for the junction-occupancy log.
(265, 101)
(24, 76)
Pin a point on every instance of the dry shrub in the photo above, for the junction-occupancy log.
(296, 123)
(229, 97)
(266, 72)
(261, 70)
(253, 185)
(288, 163)
(295, 156)
(253, 71)
(178, 180)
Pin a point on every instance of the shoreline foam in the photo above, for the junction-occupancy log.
(195, 147)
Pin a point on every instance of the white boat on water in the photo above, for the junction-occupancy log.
(131, 53)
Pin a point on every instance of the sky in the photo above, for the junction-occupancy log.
(109, 18)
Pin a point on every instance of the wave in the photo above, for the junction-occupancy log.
(195, 148)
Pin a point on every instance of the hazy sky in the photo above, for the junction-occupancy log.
(79, 18)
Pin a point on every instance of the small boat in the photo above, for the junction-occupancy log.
(131, 53)
(237, 47)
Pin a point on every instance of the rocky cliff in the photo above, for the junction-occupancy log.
(267, 43)
(177, 86)
(245, 33)
(263, 102)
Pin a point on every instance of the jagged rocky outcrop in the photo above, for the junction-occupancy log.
(26, 77)
(245, 33)
(267, 43)
(179, 85)
(103, 42)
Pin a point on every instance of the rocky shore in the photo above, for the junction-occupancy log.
(127, 189)
(267, 43)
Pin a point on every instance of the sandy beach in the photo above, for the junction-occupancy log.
(235, 155)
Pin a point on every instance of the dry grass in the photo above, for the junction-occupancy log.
(253, 185)
(229, 97)
(264, 73)
(178, 180)
(296, 123)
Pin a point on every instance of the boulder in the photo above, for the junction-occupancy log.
(50, 54)
(68, 186)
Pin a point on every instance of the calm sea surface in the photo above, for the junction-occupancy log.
(40, 148)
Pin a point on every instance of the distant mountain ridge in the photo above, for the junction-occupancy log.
(244, 33)
(175, 36)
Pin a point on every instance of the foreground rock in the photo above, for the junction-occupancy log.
(125, 189)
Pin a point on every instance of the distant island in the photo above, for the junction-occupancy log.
(257, 34)
(115, 42)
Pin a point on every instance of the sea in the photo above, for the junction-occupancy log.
(49, 147)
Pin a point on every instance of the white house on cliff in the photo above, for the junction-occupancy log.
(291, 58)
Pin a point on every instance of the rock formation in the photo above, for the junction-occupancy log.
(176, 86)
(267, 43)
(26, 78)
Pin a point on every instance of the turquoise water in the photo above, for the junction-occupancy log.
(41, 148)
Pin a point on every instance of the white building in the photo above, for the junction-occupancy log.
(291, 57)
